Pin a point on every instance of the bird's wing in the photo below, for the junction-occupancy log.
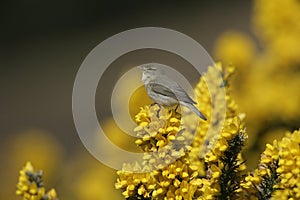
(181, 95)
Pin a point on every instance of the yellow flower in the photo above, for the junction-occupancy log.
(135, 183)
(31, 187)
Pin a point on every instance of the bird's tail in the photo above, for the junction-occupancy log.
(194, 109)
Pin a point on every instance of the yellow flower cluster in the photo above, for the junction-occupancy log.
(135, 183)
(267, 82)
(216, 104)
(278, 173)
(289, 165)
(225, 163)
(31, 187)
(156, 127)
(224, 155)
(166, 171)
(177, 146)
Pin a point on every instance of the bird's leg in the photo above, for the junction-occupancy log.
(157, 113)
(154, 103)
(176, 108)
(176, 112)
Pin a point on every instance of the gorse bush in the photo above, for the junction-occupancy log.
(221, 173)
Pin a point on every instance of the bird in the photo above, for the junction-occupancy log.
(165, 91)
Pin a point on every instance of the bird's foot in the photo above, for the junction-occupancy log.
(176, 112)
(153, 104)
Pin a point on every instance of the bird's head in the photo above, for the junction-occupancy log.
(150, 72)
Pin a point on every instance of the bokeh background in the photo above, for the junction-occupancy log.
(43, 44)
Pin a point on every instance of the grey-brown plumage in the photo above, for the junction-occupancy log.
(165, 91)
